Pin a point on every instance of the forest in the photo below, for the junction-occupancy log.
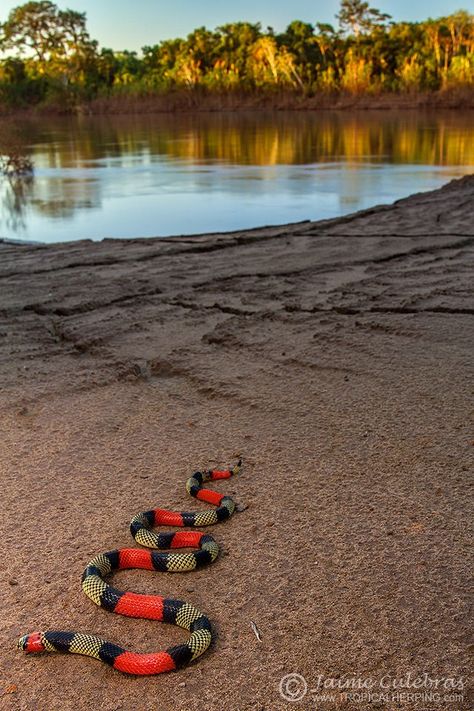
(49, 60)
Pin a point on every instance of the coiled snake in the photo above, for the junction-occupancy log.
(151, 607)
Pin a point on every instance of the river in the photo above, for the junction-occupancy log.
(160, 175)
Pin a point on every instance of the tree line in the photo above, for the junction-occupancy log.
(49, 58)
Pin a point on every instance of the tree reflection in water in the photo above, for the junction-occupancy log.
(16, 174)
(15, 195)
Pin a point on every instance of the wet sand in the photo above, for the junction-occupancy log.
(336, 358)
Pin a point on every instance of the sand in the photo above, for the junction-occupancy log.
(336, 358)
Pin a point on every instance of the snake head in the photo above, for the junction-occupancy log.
(31, 642)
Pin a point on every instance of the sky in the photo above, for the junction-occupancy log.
(128, 24)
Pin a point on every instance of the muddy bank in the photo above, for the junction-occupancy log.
(197, 100)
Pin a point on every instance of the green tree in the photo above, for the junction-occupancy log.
(235, 43)
(358, 17)
(269, 64)
(301, 42)
(58, 54)
(202, 45)
(329, 43)
(45, 31)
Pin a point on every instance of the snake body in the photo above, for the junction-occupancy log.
(151, 607)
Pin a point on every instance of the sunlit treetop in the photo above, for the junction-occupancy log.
(42, 29)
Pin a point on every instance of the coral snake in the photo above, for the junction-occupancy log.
(151, 607)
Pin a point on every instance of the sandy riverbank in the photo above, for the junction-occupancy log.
(336, 357)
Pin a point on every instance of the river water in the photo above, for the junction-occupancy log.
(159, 175)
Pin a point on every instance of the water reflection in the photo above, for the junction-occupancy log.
(15, 193)
(148, 175)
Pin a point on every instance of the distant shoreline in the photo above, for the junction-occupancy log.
(200, 101)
